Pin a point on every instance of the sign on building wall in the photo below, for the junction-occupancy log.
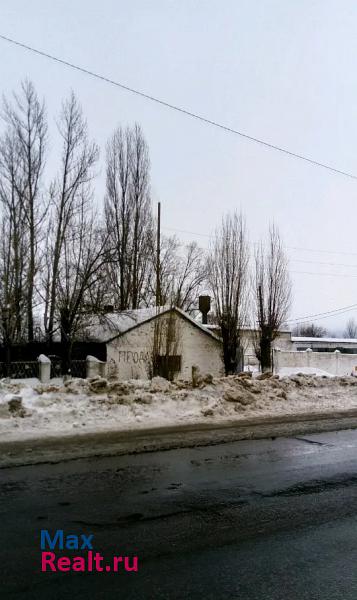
(133, 356)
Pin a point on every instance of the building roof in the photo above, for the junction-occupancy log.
(113, 325)
(308, 340)
(245, 329)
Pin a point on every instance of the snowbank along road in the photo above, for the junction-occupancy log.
(33, 410)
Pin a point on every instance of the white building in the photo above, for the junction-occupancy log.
(144, 342)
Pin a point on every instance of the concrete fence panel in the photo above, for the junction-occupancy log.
(334, 363)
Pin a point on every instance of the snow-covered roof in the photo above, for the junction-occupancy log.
(306, 340)
(104, 327)
(112, 325)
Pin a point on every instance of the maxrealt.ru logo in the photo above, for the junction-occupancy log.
(87, 561)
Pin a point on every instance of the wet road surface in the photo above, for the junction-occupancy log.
(263, 519)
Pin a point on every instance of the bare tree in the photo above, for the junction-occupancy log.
(117, 213)
(272, 290)
(79, 156)
(190, 275)
(80, 273)
(13, 241)
(128, 216)
(26, 119)
(169, 248)
(351, 329)
(182, 273)
(141, 209)
(309, 330)
(227, 273)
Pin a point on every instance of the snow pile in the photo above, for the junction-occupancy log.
(31, 410)
(285, 371)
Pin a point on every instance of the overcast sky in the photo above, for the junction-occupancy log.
(281, 71)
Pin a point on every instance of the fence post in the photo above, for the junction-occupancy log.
(44, 368)
(95, 367)
(337, 363)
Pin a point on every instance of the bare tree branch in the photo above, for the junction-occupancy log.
(272, 291)
(227, 273)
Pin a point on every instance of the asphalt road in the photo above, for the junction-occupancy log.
(263, 519)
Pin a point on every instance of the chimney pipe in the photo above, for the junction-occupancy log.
(204, 304)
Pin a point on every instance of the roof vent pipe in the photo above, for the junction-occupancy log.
(204, 304)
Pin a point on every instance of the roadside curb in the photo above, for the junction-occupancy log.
(116, 443)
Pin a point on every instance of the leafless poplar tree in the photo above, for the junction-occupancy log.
(227, 274)
(13, 241)
(128, 216)
(272, 290)
(79, 156)
(79, 273)
(141, 209)
(26, 121)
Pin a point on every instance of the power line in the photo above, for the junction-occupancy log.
(178, 108)
(341, 252)
(323, 317)
(328, 313)
(326, 264)
(324, 274)
(209, 236)
(335, 312)
(317, 316)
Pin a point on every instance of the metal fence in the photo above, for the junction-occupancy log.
(19, 369)
(79, 368)
(56, 367)
(29, 369)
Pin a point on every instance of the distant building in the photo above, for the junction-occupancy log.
(249, 337)
(324, 344)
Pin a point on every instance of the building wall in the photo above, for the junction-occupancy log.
(335, 363)
(283, 342)
(130, 355)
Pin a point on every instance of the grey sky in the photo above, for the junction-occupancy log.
(282, 71)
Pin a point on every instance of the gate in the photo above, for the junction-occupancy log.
(78, 368)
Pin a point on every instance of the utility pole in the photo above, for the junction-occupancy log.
(158, 291)
(7, 338)
(261, 307)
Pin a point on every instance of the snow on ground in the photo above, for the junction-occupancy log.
(286, 371)
(29, 409)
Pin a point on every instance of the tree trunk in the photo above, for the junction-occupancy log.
(66, 344)
(265, 352)
(30, 287)
(230, 350)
